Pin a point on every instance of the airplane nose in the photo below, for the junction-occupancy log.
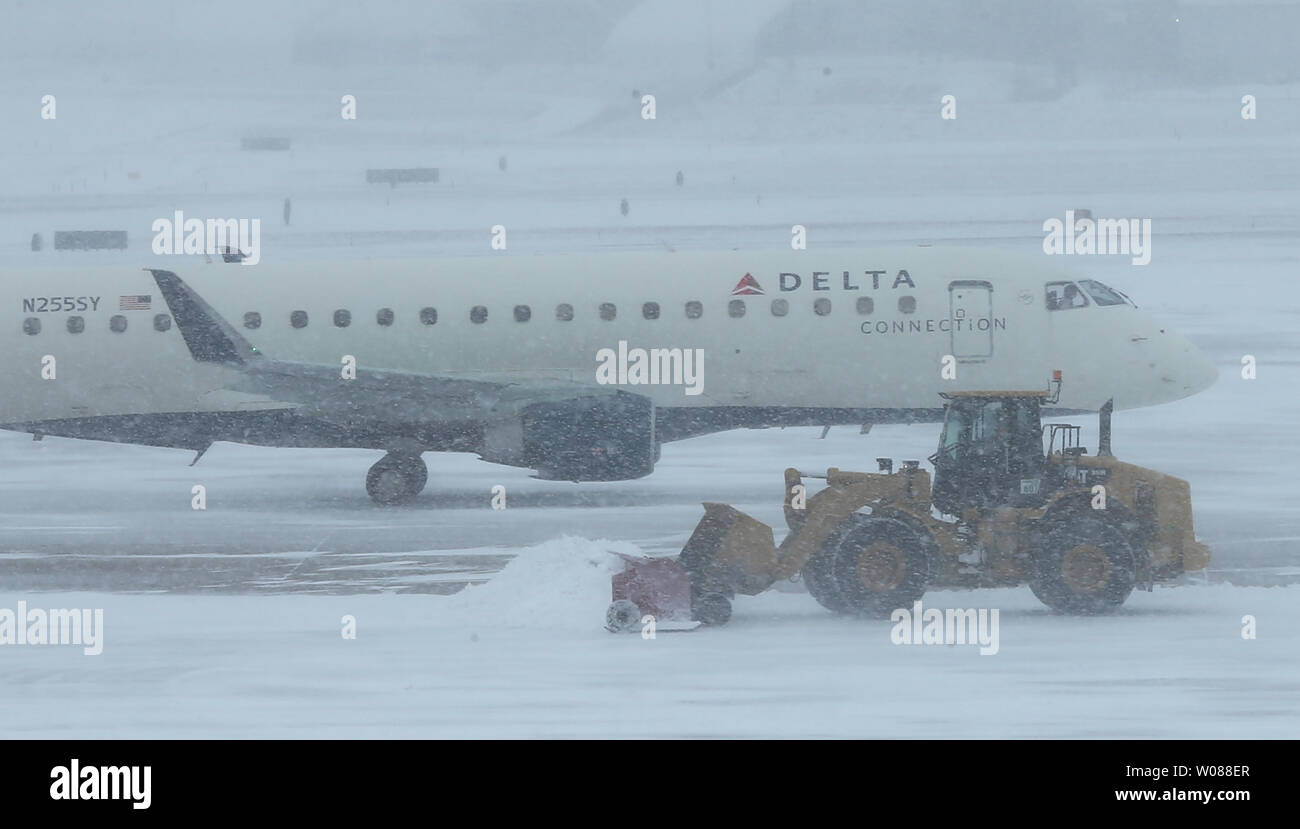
(1177, 368)
(1201, 372)
(1186, 370)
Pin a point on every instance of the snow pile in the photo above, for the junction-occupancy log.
(563, 583)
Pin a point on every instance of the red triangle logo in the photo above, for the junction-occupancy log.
(747, 285)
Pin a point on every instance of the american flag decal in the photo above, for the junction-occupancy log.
(134, 302)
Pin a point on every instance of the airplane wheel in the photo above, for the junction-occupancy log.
(1083, 567)
(396, 478)
(880, 565)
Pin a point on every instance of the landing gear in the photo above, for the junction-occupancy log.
(396, 478)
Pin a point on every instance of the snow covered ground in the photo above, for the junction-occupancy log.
(524, 655)
(227, 622)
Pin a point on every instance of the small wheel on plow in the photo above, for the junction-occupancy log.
(622, 616)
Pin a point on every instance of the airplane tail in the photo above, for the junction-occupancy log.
(208, 336)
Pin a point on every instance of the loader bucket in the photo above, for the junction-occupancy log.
(1196, 556)
(729, 553)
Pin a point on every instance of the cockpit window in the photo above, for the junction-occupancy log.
(1102, 294)
(1064, 296)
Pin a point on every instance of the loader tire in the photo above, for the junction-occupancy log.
(1083, 566)
(881, 564)
(819, 579)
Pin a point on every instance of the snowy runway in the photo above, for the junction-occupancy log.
(525, 655)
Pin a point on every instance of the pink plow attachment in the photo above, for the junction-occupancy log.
(658, 587)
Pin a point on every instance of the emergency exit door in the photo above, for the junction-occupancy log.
(970, 319)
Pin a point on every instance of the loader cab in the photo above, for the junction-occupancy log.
(990, 453)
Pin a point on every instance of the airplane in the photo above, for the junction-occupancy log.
(579, 367)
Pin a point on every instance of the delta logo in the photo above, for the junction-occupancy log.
(747, 286)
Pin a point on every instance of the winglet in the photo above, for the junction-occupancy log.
(208, 336)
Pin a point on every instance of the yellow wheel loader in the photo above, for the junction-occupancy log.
(1012, 502)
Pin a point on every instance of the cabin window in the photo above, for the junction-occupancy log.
(650, 310)
(780, 307)
(866, 305)
(32, 325)
(428, 316)
(564, 312)
(822, 307)
(298, 319)
(1064, 296)
(117, 323)
(608, 311)
(736, 308)
(162, 322)
(478, 314)
(76, 325)
(342, 318)
(385, 316)
(694, 310)
(907, 304)
(523, 313)
(252, 319)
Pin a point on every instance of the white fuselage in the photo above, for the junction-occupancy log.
(859, 329)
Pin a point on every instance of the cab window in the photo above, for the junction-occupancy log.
(986, 428)
(1065, 296)
(954, 430)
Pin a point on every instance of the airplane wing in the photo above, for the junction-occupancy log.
(319, 391)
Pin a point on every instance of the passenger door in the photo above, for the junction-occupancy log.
(970, 317)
